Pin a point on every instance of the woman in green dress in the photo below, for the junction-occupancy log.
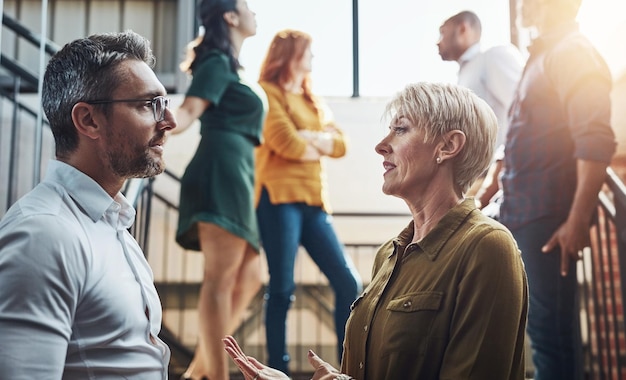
(216, 197)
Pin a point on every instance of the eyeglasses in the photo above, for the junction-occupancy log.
(159, 105)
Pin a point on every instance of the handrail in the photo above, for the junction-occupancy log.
(172, 175)
(22, 80)
(618, 192)
(17, 69)
(26, 33)
(617, 187)
(22, 106)
(133, 188)
(603, 321)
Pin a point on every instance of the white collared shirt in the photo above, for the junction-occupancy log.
(493, 76)
(77, 298)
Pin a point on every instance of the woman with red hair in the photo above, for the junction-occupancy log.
(291, 197)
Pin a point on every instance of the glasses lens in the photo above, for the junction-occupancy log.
(159, 105)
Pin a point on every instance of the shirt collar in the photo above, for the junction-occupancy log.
(434, 241)
(470, 53)
(88, 194)
(552, 37)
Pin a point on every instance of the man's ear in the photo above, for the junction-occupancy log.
(85, 121)
(451, 145)
(462, 28)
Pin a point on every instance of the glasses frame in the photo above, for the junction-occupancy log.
(153, 102)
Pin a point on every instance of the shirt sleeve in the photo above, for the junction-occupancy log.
(38, 296)
(340, 141)
(583, 82)
(211, 78)
(503, 69)
(490, 313)
(280, 134)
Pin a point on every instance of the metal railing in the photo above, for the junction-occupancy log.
(602, 280)
(601, 276)
(21, 151)
(601, 273)
(178, 276)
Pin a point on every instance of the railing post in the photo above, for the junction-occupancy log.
(186, 29)
(1, 7)
(355, 48)
(146, 212)
(619, 201)
(13, 149)
(42, 67)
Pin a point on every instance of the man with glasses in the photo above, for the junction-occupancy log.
(77, 299)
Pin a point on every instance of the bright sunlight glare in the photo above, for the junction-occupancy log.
(604, 22)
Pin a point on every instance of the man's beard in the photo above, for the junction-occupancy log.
(142, 165)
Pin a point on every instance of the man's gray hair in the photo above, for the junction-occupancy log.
(83, 70)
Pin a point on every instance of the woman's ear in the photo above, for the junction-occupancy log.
(84, 120)
(231, 18)
(451, 144)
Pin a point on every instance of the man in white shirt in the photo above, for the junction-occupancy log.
(492, 74)
(77, 299)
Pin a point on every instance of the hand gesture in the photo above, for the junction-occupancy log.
(251, 368)
(323, 370)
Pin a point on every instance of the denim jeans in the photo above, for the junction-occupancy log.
(284, 227)
(553, 321)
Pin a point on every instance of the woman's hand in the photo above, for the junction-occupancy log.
(323, 370)
(251, 368)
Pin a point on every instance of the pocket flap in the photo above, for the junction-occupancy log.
(416, 301)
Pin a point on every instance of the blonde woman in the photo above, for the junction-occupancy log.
(448, 296)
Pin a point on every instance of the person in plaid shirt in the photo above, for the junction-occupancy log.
(558, 147)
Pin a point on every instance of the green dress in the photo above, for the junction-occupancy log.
(218, 183)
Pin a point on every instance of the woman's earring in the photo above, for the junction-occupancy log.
(438, 160)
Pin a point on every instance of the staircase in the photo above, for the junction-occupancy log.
(26, 144)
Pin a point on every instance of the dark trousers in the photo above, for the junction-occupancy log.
(553, 321)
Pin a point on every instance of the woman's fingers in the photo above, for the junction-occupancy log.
(322, 369)
(229, 341)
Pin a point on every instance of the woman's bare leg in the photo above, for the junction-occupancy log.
(231, 279)
(246, 287)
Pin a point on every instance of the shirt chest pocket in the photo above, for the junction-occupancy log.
(421, 301)
(409, 321)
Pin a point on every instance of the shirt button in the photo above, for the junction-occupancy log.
(365, 328)
(406, 304)
(361, 365)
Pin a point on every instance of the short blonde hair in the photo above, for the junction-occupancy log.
(439, 108)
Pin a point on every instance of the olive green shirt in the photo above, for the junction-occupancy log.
(452, 306)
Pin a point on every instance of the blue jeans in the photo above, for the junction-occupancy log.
(283, 228)
(553, 321)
